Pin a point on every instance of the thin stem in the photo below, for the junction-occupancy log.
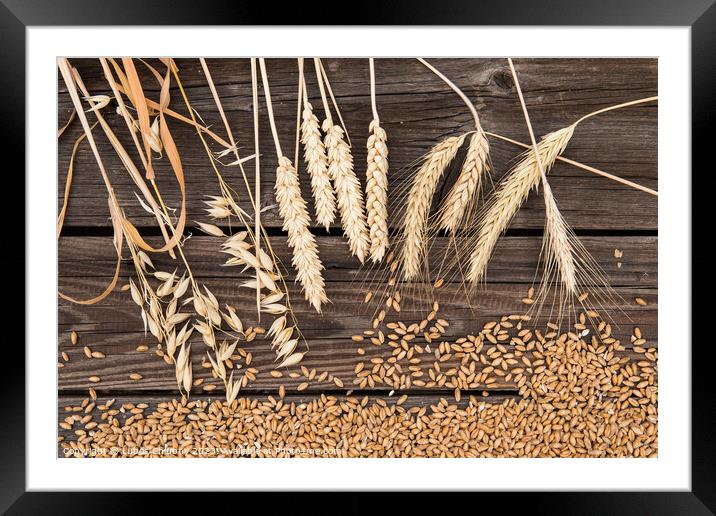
(269, 107)
(123, 109)
(335, 103)
(298, 112)
(581, 165)
(618, 106)
(257, 181)
(455, 89)
(372, 90)
(66, 71)
(321, 87)
(219, 106)
(529, 124)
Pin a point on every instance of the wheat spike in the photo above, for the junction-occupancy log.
(293, 210)
(420, 198)
(557, 243)
(314, 153)
(460, 200)
(377, 191)
(348, 190)
(509, 197)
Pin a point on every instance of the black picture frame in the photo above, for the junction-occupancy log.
(699, 15)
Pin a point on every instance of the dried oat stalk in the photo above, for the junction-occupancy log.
(160, 308)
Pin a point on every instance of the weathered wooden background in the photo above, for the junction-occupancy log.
(417, 110)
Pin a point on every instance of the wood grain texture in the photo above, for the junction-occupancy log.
(416, 110)
(515, 259)
(115, 328)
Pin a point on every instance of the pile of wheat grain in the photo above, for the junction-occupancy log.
(581, 393)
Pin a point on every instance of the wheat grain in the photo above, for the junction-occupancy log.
(317, 165)
(348, 190)
(510, 195)
(420, 198)
(460, 200)
(377, 190)
(292, 209)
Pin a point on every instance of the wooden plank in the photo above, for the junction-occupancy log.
(346, 315)
(515, 259)
(337, 357)
(417, 110)
(115, 328)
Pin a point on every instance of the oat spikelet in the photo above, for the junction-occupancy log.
(557, 244)
(348, 190)
(509, 197)
(420, 198)
(461, 198)
(377, 191)
(293, 210)
(314, 153)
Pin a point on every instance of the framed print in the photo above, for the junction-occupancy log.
(423, 262)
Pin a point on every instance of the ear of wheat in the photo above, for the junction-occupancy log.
(556, 240)
(317, 165)
(460, 200)
(377, 191)
(348, 190)
(511, 194)
(557, 244)
(420, 198)
(294, 213)
(293, 210)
